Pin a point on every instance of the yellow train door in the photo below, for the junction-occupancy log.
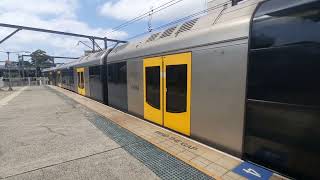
(172, 75)
(81, 85)
(153, 100)
(177, 85)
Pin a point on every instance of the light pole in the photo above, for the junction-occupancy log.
(8, 66)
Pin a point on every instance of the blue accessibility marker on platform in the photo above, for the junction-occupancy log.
(252, 172)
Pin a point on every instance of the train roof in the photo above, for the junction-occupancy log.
(221, 24)
(91, 59)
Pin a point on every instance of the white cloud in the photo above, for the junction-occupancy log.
(48, 14)
(128, 9)
(43, 7)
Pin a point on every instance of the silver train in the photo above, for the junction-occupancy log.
(243, 79)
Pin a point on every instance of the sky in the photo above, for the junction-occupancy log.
(90, 17)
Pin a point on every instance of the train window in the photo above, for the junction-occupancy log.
(111, 73)
(117, 85)
(153, 86)
(279, 23)
(67, 77)
(71, 78)
(117, 73)
(289, 74)
(176, 83)
(285, 49)
(94, 71)
(63, 77)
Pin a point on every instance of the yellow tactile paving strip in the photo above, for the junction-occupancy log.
(208, 160)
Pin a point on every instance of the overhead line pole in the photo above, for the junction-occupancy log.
(8, 65)
(10, 87)
(92, 38)
(55, 32)
(19, 28)
(9, 36)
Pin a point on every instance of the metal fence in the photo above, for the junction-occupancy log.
(27, 81)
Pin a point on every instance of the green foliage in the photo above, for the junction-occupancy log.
(40, 59)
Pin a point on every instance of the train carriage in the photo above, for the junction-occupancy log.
(242, 79)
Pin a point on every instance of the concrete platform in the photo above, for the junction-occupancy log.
(42, 136)
(210, 161)
(4, 92)
(45, 134)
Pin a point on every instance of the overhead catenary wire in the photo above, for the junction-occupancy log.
(142, 16)
(180, 20)
(199, 13)
(183, 19)
(151, 12)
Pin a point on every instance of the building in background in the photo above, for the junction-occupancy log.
(17, 70)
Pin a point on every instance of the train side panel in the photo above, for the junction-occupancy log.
(117, 85)
(135, 87)
(283, 100)
(218, 95)
(95, 83)
(75, 76)
(86, 82)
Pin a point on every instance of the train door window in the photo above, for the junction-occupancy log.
(176, 92)
(153, 86)
(82, 80)
(79, 79)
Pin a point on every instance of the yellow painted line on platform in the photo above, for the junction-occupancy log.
(4, 101)
(210, 161)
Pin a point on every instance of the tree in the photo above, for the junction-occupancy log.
(40, 60)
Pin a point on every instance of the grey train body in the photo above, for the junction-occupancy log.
(226, 107)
